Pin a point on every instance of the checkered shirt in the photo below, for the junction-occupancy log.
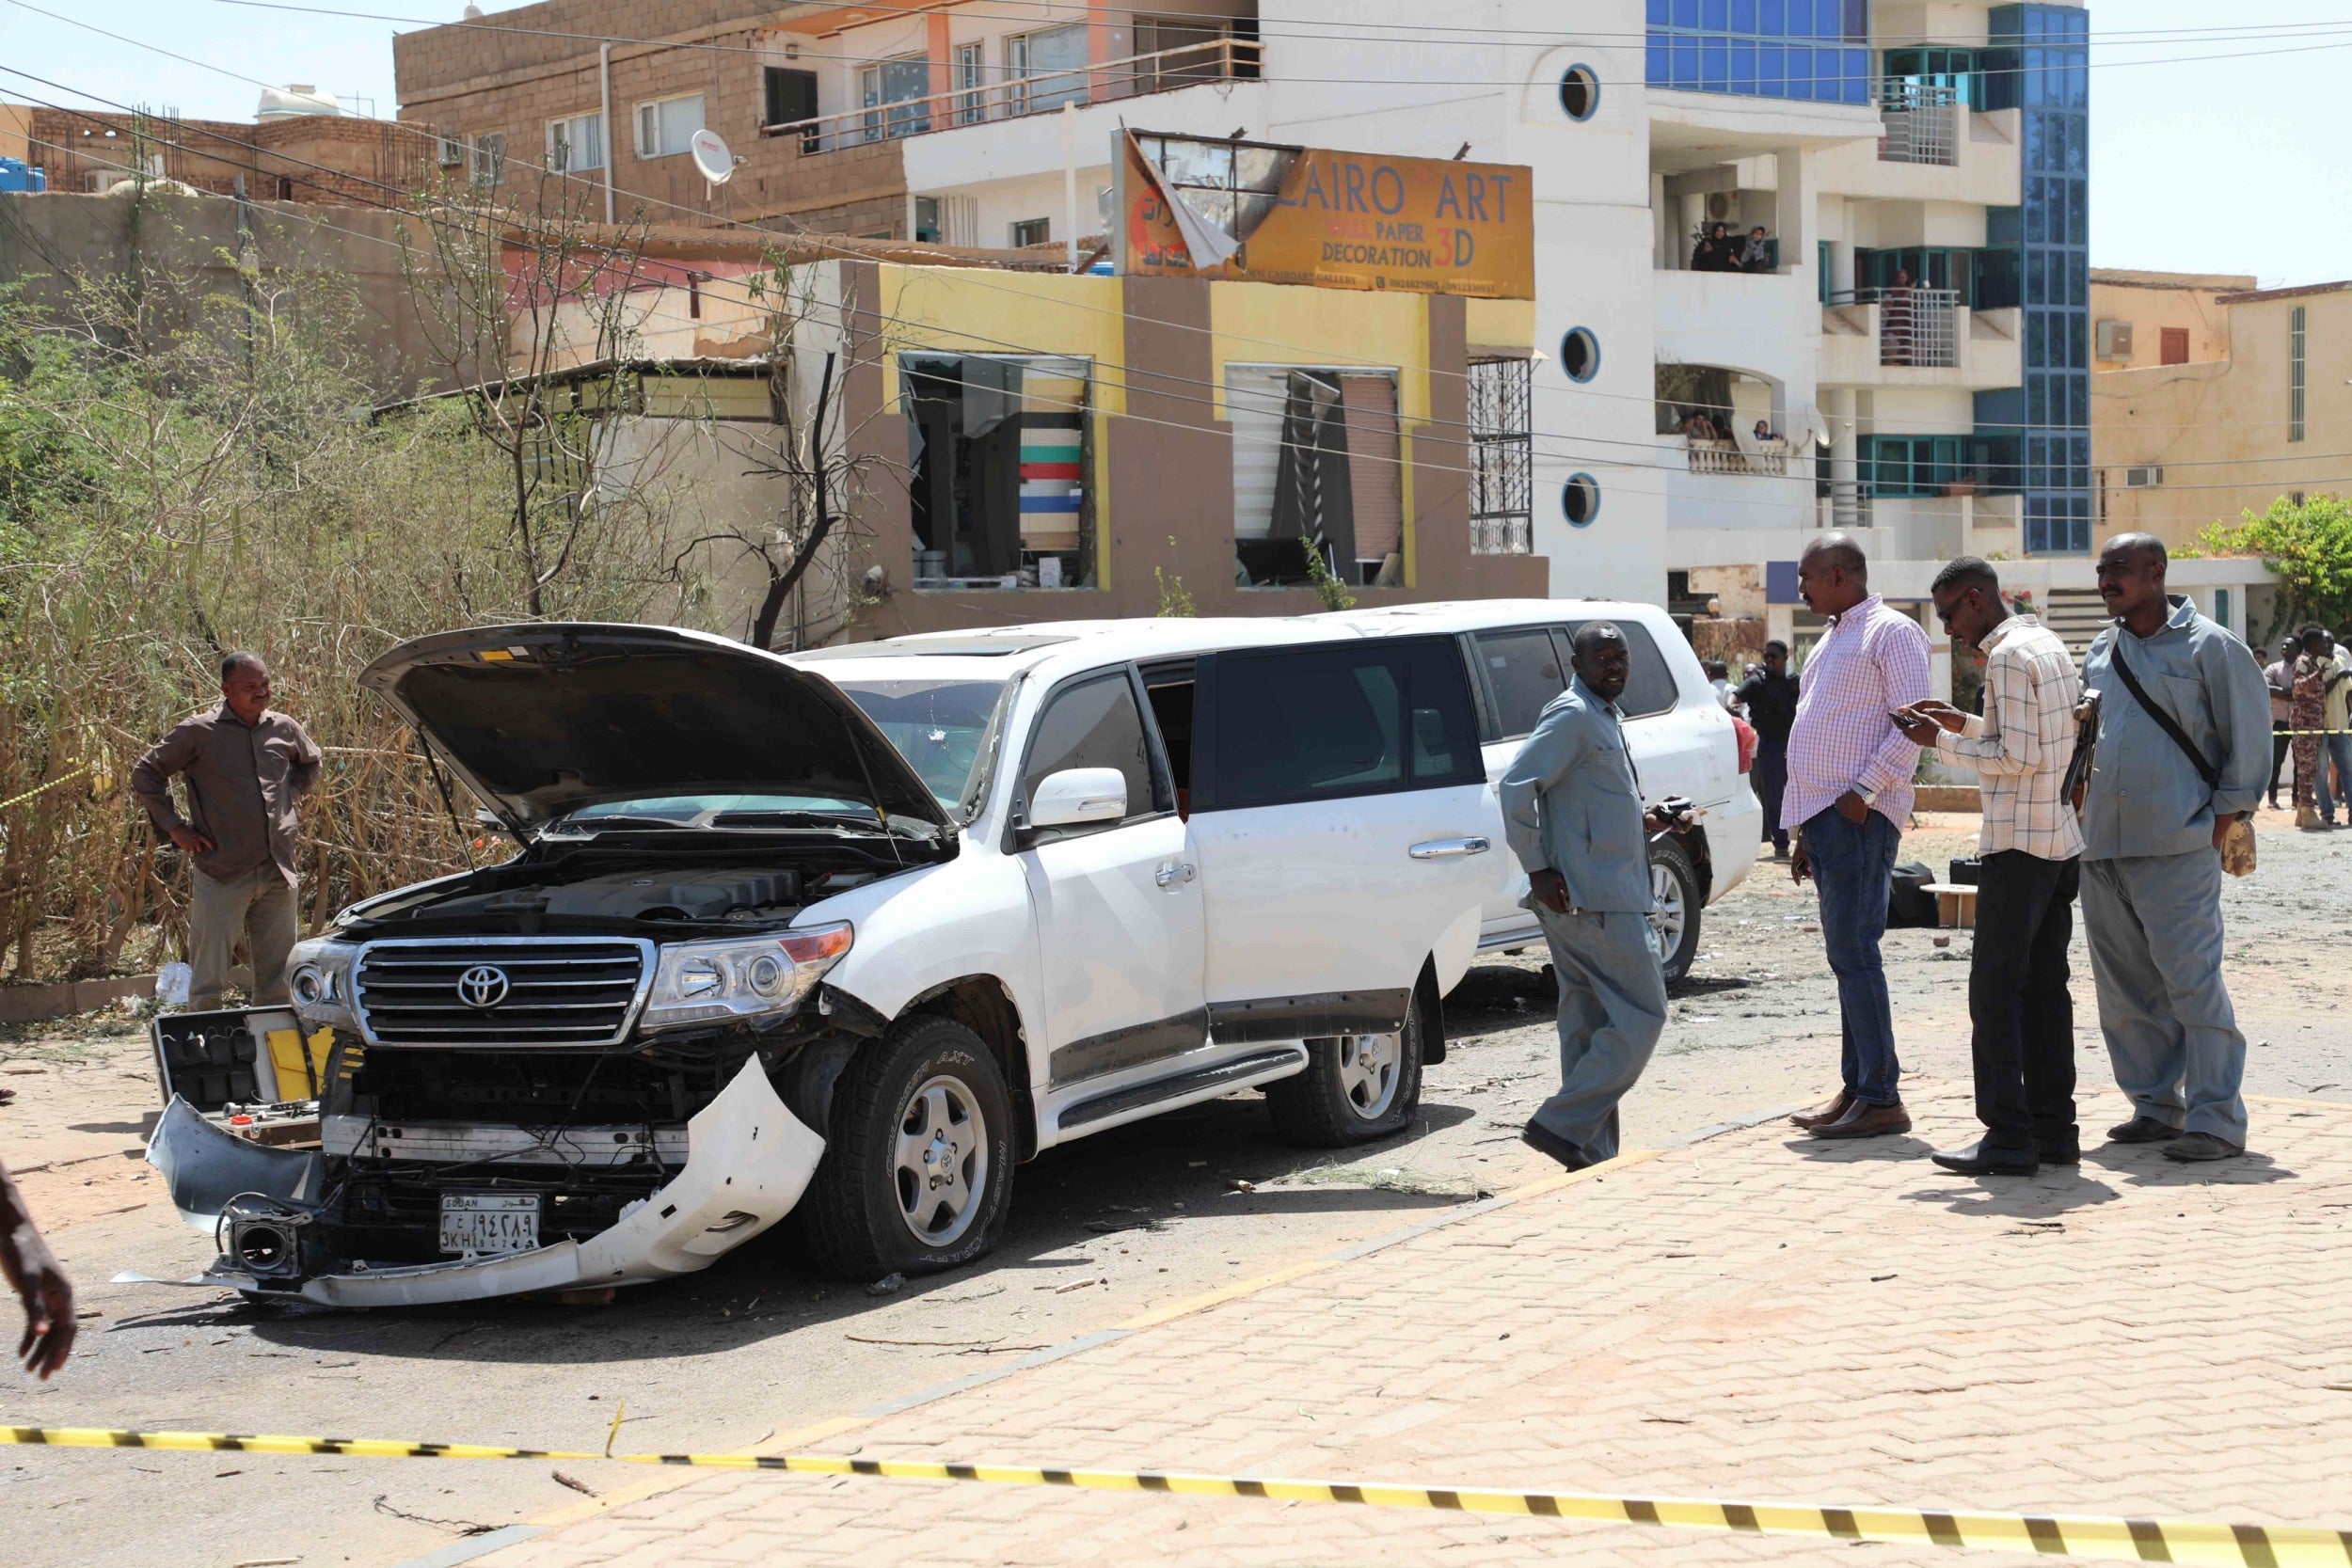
(1872, 660)
(2022, 745)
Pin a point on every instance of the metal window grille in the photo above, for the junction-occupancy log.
(1503, 458)
(1919, 326)
(2294, 374)
(1920, 118)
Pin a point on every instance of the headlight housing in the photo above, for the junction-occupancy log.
(741, 977)
(318, 978)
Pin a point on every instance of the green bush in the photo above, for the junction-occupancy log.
(2309, 545)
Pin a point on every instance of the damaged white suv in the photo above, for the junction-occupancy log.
(847, 936)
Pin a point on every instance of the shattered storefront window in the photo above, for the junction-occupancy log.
(999, 458)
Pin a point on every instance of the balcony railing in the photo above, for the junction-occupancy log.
(1847, 504)
(1729, 457)
(1917, 327)
(1225, 59)
(1921, 120)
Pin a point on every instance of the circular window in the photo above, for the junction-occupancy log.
(1580, 500)
(1579, 91)
(1579, 354)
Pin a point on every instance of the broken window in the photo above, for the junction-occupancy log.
(999, 449)
(1318, 466)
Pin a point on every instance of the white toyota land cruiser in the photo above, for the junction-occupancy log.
(846, 936)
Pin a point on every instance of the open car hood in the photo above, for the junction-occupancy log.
(541, 719)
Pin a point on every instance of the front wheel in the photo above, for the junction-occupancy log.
(1356, 1088)
(1673, 925)
(918, 1175)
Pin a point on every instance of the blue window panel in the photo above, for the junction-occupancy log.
(1654, 64)
(1744, 17)
(1857, 21)
(1771, 17)
(1771, 67)
(1714, 65)
(1656, 13)
(1712, 18)
(1686, 64)
(2079, 211)
(2036, 401)
(1857, 76)
(1686, 13)
(1744, 67)
(2037, 341)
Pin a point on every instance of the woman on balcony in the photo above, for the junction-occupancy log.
(1717, 252)
(1895, 324)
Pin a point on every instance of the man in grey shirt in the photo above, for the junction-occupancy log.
(2153, 821)
(1572, 811)
(244, 767)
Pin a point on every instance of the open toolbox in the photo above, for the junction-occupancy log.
(248, 1070)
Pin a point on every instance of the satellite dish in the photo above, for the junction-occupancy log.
(712, 156)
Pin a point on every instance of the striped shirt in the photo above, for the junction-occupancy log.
(1872, 660)
(2022, 745)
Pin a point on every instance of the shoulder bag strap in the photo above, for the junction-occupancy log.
(2205, 771)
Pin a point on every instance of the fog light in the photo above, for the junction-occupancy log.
(263, 1236)
(263, 1248)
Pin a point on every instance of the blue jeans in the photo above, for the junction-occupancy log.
(2334, 747)
(1853, 866)
(2155, 926)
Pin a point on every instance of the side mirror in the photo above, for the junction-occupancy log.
(1077, 795)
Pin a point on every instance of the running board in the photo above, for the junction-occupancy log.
(1184, 1085)
(1525, 937)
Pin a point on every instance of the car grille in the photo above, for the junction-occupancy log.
(556, 992)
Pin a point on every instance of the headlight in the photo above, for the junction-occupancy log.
(318, 978)
(706, 982)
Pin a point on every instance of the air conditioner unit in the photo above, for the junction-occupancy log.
(1719, 205)
(2142, 478)
(2114, 340)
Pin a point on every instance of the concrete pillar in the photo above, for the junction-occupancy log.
(1838, 409)
(942, 61)
(1794, 201)
(1664, 256)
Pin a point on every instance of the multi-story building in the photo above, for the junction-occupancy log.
(2212, 399)
(1906, 355)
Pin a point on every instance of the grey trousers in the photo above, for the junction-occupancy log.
(2155, 927)
(260, 904)
(1613, 1007)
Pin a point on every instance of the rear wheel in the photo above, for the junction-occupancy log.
(1356, 1088)
(1673, 925)
(918, 1175)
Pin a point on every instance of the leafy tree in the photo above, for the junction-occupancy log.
(2309, 545)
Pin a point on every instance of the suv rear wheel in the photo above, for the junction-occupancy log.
(919, 1173)
(1356, 1088)
(1673, 925)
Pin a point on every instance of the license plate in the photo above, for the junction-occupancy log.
(473, 1224)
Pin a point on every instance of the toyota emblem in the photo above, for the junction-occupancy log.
(484, 986)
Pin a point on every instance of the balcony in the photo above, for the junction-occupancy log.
(1932, 150)
(1768, 459)
(1217, 60)
(1921, 122)
(1916, 338)
(1722, 486)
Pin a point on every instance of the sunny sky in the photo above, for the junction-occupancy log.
(2215, 148)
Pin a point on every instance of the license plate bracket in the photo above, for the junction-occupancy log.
(489, 1225)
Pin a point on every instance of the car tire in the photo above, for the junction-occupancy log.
(1356, 1087)
(917, 1173)
(1675, 924)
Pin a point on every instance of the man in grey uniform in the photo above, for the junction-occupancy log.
(2154, 820)
(1572, 811)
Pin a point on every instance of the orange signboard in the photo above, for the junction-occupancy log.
(1341, 220)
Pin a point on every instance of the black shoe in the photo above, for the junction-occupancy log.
(2144, 1129)
(2060, 1152)
(1546, 1142)
(2195, 1147)
(1984, 1158)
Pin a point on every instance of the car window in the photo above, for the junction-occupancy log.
(938, 726)
(1094, 723)
(1651, 687)
(1525, 670)
(1327, 723)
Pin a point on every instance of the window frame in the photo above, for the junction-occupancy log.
(1563, 642)
(1207, 699)
(771, 78)
(486, 162)
(1018, 835)
(560, 148)
(2298, 350)
(654, 107)
(1021, 73)
(1045, 237)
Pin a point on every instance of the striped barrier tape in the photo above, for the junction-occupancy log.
(2052, 1535)
(43, 789)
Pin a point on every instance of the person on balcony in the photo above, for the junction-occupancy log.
(1894, 322)
(1756, 255)
(1717, 252)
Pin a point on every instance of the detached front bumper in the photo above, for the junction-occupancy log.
(747, 1161)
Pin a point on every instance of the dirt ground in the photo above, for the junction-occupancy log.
(1102, 1231)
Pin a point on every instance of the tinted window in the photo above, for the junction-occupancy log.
(1524, 670)
(1323, 724)
(1650, 688)
(1092, 725)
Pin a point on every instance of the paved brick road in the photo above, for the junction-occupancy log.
(1751, 1316)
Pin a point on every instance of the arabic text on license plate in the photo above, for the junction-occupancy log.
(476, 1223)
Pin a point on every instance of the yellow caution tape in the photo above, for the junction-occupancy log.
(43, 789)
(2054, 1535)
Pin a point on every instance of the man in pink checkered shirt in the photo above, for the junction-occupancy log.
(1847, 799)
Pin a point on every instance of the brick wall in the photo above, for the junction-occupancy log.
(299, 158)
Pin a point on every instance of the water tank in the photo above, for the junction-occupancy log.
(299, 98)
(15, 176)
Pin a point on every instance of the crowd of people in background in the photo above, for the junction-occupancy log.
(2309, 685)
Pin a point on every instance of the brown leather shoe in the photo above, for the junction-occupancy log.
(1867, 1121)
(1827, 1111)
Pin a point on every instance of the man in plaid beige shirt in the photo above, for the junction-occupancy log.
(2030, 847)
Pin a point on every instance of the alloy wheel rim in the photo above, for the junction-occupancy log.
(940, 1162)
(1669, 918)
(1369, 1069)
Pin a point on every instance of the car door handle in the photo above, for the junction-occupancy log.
(1448, 849)
(1175, 872)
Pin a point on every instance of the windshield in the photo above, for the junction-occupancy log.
(939, 725)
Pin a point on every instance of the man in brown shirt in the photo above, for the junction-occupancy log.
(245, 766)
